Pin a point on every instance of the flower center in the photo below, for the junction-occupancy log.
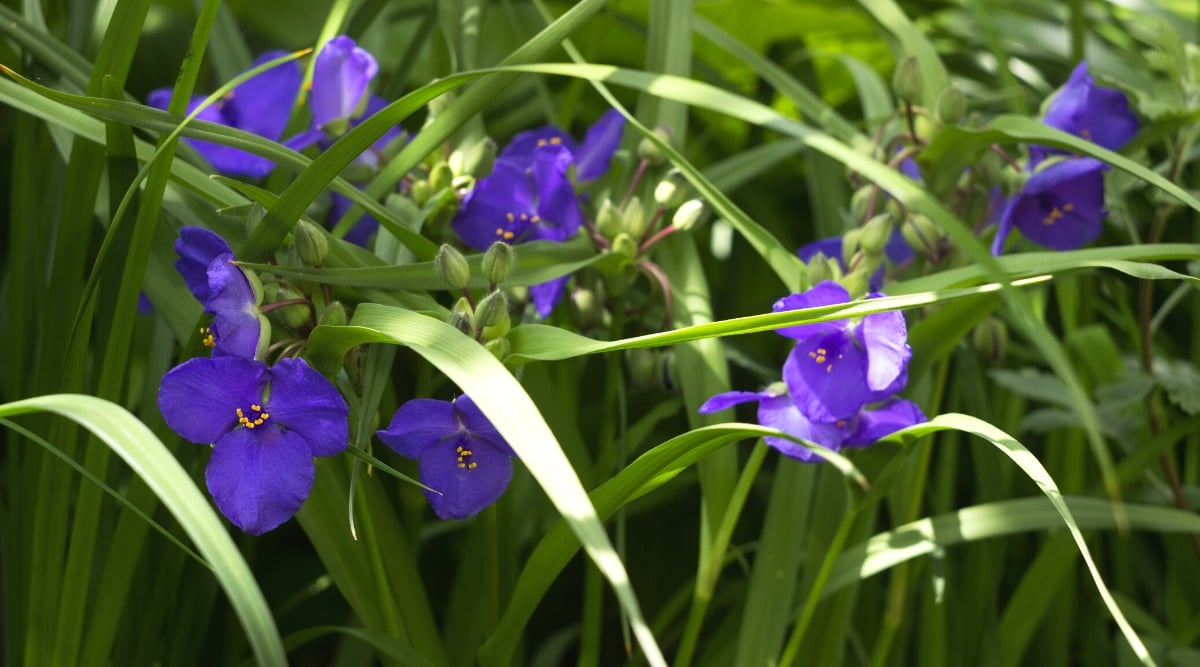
(210, 339)
(257, 416)
(464, 458)
(820, 356)
(1057, 213)
(552, 141)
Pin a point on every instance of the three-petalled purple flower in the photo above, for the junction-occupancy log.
(228, 292)
(460, 455)
(265, 424)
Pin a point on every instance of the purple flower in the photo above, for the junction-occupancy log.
(265, 424)
(1100, 115)
(260, 105)
(777, 410)
(897, 251)
(461, 456)
(340, 76)
(591, 158)
(227, 291)
(1061, 206)
(837, 367)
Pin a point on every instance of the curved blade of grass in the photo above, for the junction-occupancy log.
(505, 403)
(151, 460)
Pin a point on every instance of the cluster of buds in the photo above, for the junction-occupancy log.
(487, 319)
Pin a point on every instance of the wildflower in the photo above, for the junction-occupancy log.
(1100, 115)
(837, 367)
(228, 292)
(265, 424)
(777, 410)
(461, 456)
(340, 76)
(260, 105)
(1060, 207)
(897, 250)
(591, 157)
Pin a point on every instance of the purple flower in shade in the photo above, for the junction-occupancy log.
(837, 367)
(777, 410)
(260, 106)
(461, 456)
(1061, 206)
(265, 424)
(897, 250)
(227, 291)
(591, 157)
(1100, 115)
(341, 73)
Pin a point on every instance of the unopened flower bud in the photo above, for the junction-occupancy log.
(310, 243)
(608, 219)
(475, 160)
(687, 215)
(462, 317)
(907, 82)
(497, 262)
(951, 105)
(437, 105)
(856, 283)
(649, 151)
(491, 309)
(821, 268)
(921, 233)
(587, 308)
(440, 177)
(421, 192)
(860, 200)
(292, 316)
(625, 245)
(991, 340)
(875, 234)
(499, 347)
(643, 367)
(451, 267)
(633, 218)
(670, 191)
(333, 315)
(850, 243)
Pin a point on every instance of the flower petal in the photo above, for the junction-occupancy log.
(467, 480)
(197, 247)
(419, 424)
(199, 398)
(731, 398)
(340, 76)
(260, 477)
(1100, 115)
(558, 206)
(304, 402)
(493, 210)
(1062, 206)
(263, 104)
(885, 337)
(822, 294)
(599, 144)
(827, 377)
(889, 418)
(779, 412)
(524, 145)
(546, 295)
(478, 425)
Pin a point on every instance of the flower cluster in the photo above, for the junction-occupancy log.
(1061, 206)
(265, 423)
(461, 456)
(530, 196)
(839, 382)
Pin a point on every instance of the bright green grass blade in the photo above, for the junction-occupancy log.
(645, 474)
(1033, 469)
(508, 407)
(151, 460)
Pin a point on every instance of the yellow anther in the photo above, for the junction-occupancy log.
(554, 141)
(240, 413)
(256, 407)
(462, 465)
(509, 215)
(473, 466)
(467, 452)
(1068, 207)
(459, 449)
(535, 218)
(829, 368)
(499, 231)
(508, 236)
(524, 216)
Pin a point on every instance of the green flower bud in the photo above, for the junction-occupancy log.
(649, 151)
(491, 309)
(462, 317)
(451, 267)
(850, 244)
(587, 306)
(476, 160)
(670, 191)
(951, 105)
(421, 192)
(293, 316)
(310, 243)
(991, 340)
(821, 268)
(437, 105)
(856, 283)
(608, 219)
(633, 218)
(497, 262)
(333, 315)
(688, 214)
(499, 347)
(625, 245)
(907, 82)
(860, 200)
(921, 233)
(875, 234)
(642, 367)
(440, 177)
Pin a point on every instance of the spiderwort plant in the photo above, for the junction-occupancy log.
(265, 425)
(229, 293)
(462, 458)
(260, 105)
